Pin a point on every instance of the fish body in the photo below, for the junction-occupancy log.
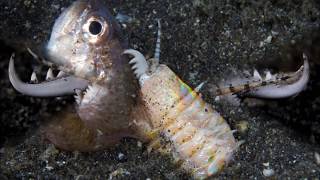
(86, 44)
(86, 41)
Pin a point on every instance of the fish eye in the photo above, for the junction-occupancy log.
(95, 27)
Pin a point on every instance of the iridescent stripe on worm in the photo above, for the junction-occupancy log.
(195, 133)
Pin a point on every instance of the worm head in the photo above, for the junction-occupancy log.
(79, 39)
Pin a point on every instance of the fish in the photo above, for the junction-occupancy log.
(86, 45)
(117, 97)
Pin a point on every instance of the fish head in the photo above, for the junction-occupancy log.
(81, 38)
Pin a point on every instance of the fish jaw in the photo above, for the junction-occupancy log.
(275, 91)
(59, 87)
(87, 42)
(99, 75)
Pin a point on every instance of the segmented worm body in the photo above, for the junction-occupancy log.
(197, 134)
(194, 132)
(87, 46)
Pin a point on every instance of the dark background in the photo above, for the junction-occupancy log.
(203, 40)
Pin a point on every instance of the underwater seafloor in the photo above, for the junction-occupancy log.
(202, 40)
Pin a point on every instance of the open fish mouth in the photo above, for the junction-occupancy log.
(271, 86)
(60, 85)
(284, 87)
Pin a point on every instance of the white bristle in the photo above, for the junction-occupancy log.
(78, 97)
(198, 88)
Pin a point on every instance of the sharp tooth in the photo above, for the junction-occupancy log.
(268, 76)
(256, 75)
(34, 78)
(60, 74)
(79, 95)
(49, 74)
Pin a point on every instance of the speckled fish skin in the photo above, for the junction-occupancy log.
(106, 106)
(197, 134)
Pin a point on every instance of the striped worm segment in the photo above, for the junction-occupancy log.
(197, 134)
